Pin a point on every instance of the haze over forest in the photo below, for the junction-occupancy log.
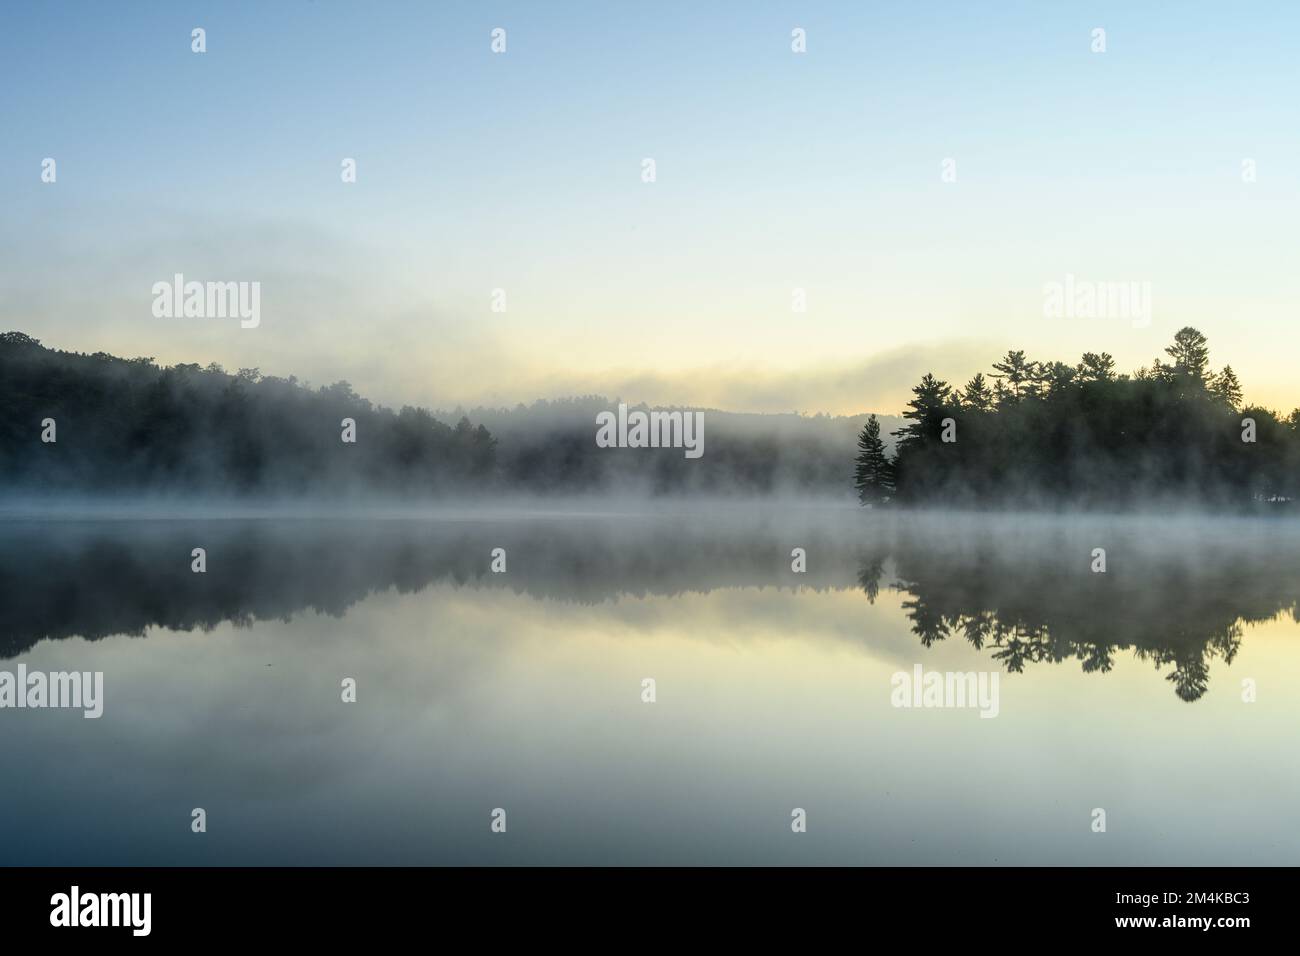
(128, 425)
(1030, 433)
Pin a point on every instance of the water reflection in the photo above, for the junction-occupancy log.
(1177, 599)
(1175, 592)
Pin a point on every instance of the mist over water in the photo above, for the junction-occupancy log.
(522, 689)
(708, 434)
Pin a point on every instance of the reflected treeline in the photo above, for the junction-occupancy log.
(1021, 590)
(95, 579)
(1034, 597)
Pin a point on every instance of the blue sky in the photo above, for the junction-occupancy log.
(775, 171)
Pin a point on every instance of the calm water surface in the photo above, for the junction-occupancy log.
(522, 690)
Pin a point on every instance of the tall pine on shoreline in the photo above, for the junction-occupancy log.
(873, 475)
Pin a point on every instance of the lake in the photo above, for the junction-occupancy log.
(1159, 690)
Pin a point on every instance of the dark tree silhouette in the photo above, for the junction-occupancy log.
(977, 396)
(925, 412)
(1096, 368)
(127, 425)
(1190, 352)
(1032, 605)
(872, 475)
(1084, 436)
(1015, 375)
(1227, 387)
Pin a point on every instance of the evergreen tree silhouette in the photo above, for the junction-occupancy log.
(925, 411)
(1190, 353)
(977, 395)
(1096, 368)
(872, 476)
(1227, 387)
(1086, 436)
(1017, 373)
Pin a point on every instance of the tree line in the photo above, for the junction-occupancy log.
(549, 447)
(1085, 435)
(129, 425)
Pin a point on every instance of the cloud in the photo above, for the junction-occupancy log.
(881, 382)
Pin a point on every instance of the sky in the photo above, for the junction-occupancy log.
(775, 171)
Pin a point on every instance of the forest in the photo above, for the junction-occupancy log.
(129, 426)
(1027, 434)
(1084, 435)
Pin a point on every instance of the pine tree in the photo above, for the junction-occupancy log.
(1018, 373)
(1058, 376)
(1190, 353)
(926, 410)
(978, 395)
(1160, 372)
(1227, 387)
(872, 475)
(1096, 368)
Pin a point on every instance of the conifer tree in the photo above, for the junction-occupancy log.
(1227, 387)
(872, 474)
(1190, 352)
(978, 395)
